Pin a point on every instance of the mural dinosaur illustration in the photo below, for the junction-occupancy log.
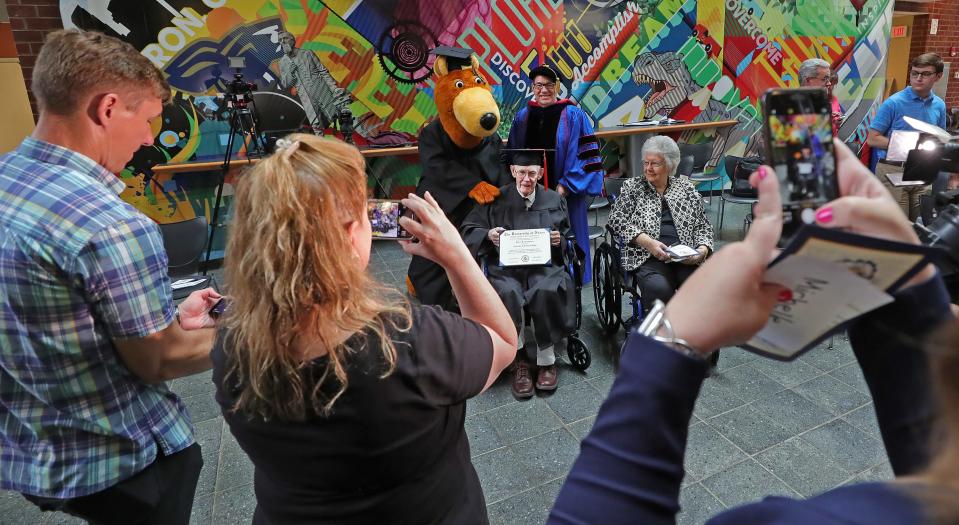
(673, 92)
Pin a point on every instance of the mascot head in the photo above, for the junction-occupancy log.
(463, 97)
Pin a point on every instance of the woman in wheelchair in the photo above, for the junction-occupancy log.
(654, 213)
(547, 292)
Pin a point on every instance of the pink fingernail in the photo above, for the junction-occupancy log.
(824, 215)
(762, 172)
(785, 295)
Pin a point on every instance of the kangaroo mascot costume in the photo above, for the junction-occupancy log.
(460, 154)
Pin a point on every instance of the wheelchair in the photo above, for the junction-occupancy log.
(576, 349)
(610, 282)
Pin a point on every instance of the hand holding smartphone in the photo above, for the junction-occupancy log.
(218, 308)
(384, 215)
(798, 133)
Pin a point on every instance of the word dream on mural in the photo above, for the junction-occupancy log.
(621, 60)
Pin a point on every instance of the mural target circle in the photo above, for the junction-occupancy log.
(405, 51)
(169, 138)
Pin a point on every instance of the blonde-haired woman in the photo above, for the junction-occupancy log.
(349, 401)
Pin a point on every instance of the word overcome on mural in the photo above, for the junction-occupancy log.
(744, 15)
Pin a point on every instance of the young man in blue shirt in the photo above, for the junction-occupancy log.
(88, 329)
(916, 101)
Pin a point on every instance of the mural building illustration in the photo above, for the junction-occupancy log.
(621, 60)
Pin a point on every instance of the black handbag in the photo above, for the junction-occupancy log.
(740, 177)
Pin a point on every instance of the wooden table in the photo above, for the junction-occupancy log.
(213, 165)
(604, 133)
(636, 135)
(626, 131)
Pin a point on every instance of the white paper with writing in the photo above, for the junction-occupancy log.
(824, 295)
(524, 247)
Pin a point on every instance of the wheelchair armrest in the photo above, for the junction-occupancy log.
(617, 239)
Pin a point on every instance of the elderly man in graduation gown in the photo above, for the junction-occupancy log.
(548, 291)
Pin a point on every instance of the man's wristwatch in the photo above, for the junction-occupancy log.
(658, 328)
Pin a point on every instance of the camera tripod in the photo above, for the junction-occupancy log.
(243, 121)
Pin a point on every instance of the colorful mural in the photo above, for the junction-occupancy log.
(621, 60)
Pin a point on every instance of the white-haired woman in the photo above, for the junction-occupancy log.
(655, 212)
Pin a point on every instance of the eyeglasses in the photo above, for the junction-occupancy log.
(539, 86)
(829, 79)
(532, 175)
(923, 74)
(655, 164)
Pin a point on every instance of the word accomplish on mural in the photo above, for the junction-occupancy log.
(621, 60)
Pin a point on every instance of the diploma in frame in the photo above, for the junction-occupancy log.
(524, 248)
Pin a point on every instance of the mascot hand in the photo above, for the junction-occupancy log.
(484, 193)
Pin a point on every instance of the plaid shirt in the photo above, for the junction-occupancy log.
(79, 268)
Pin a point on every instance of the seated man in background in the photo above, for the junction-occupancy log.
(546, 291)
(88, 329)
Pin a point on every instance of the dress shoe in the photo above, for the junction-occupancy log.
(522, 381)
(546, 378)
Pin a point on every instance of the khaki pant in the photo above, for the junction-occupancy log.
(906, 196)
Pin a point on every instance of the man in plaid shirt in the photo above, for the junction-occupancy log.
(88, 330)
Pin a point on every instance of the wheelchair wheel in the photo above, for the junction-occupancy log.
(606, 291)
(578, 353)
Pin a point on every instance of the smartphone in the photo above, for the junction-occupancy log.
(385, 216)
(218, 308)
(798, 134)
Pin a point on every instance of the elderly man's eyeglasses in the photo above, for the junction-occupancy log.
(655, 164)
(532, 175)
(828, 79)
(547, 86)
(923, 74)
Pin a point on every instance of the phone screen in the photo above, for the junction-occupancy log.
(799, 147)
(219, 307)
(385, 218)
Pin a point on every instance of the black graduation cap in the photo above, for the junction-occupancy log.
(528, 157)
(543, 71)
(456, 57)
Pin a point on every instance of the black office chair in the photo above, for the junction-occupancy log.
(686, 166)
(697, 173)
(185, 242)
(727, 196)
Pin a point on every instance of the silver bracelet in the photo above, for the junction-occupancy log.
(655, 321)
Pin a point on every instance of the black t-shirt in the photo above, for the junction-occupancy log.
(393, 450)
(667, 228)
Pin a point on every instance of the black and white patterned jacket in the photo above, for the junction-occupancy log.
(638, 209)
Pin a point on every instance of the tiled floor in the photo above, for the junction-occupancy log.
(760, 427)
